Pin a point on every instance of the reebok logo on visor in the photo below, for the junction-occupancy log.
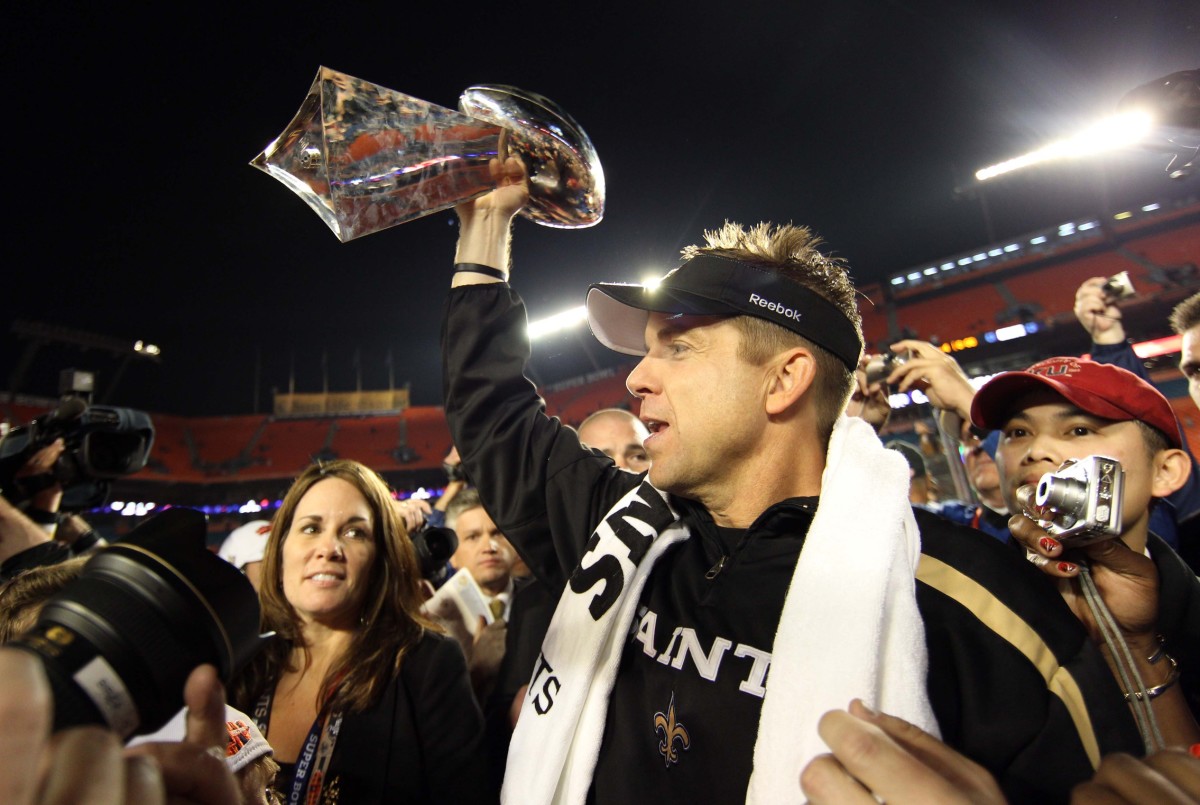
(775, 307)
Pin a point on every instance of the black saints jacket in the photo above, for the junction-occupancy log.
(1014, 680)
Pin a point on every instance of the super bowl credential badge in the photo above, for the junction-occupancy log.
(673, 736)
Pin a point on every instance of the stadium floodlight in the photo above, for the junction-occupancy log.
(1118, 131)
(557, 322)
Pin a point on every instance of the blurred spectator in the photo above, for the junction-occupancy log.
(486, 554)
(919, 483)
(21, 598)
(978, 455)
(617, 434)
(1176, 519)
(482, 550)
(244, 548)
(1185, 321)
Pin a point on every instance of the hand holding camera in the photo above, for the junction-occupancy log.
(1080, 502)
(1096, 308)
(921, 366)
(1074, 514)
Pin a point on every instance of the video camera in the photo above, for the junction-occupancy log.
(102, 443)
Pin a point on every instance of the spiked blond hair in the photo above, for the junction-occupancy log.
(791, 252)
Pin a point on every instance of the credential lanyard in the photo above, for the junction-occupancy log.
(313, 762)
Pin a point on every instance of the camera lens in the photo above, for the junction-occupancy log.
(879, 367)
(434, 547)
(119, 642)
(1065, 496)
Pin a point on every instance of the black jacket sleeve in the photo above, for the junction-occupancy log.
(543, 489)
(449, 723)
(423, 741)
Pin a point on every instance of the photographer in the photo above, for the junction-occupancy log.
(919, 365)
(38, 534)
(1066, 408)
(26, 537)
(86, 764)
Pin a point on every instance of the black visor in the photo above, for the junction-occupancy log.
(708, 285)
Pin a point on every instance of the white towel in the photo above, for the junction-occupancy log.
(849, 628)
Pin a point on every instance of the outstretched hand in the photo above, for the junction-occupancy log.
(1167, 776)
(936, 374)
(1096, 312)
(86, 764)
(194, 770)
(869, 401)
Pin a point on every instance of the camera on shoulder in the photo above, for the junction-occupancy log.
(102, 442)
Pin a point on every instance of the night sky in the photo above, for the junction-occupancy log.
(133, 212)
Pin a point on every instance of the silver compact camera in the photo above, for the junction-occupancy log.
(881, 366)
(1080, 502)
(1118, 286)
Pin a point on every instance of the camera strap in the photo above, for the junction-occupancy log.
(1127, 672)
(312, 766)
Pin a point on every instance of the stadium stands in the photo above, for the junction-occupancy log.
(251, 457)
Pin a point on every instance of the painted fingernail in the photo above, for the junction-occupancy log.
(1049, 544)
(1194, 749)
(1066, 567)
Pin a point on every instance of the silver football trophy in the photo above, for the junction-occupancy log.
(365, 157)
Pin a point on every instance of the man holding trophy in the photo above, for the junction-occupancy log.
(686, 586)
(721, 609)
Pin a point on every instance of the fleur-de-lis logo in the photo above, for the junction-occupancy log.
(674, 736)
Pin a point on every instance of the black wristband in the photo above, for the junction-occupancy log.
(85, 542)
(41, 516)
(476, 268)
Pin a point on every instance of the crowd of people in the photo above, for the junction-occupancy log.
(739, 594)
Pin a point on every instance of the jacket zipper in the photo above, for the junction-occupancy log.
(715, 570)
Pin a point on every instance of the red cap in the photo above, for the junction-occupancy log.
(1100, 389)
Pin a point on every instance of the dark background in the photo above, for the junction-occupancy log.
(132, 212)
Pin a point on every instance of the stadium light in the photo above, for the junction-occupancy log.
(1118, 131)
(557, 322)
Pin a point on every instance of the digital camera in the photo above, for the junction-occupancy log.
(1119, 286)
(119, 641)
(881, 366)
(1080, 502)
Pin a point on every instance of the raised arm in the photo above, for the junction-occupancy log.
(540, 485)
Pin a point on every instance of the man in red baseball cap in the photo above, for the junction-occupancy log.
(1067, 408)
